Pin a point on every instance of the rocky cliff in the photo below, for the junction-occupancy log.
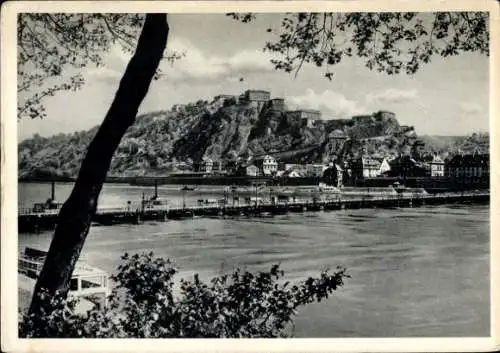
(166, 141)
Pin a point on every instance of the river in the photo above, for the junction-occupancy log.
(414, 272)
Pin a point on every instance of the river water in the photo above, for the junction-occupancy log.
(414, 272)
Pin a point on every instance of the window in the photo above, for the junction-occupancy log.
(73, 284)
(91, 282)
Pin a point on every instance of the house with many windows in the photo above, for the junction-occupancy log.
(253, 95)
(469, 168)
(267, 165)
(436, 166)
(206, 166)
(365, 167)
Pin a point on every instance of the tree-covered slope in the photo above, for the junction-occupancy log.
(166, 141)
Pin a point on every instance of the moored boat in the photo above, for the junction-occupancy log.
(88, 283)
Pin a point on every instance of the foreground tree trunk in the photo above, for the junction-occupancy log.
(77, 212)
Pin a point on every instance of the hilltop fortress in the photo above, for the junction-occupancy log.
(226, 128)
(307, 117)
(302, 117)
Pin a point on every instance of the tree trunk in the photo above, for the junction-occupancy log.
(77, 212)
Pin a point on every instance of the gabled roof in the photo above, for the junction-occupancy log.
(437, 159)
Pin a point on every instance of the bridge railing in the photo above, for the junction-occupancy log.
(24, 211)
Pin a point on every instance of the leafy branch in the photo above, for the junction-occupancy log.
(53, 45)
(143, 305)
(387, 42)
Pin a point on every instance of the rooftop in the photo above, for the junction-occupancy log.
(337, 133)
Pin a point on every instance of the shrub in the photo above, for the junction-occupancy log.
(143, 305)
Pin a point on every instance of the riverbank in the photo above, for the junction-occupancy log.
(197, 180)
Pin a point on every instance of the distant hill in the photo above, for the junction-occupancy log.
(220, 129)
(477, 142)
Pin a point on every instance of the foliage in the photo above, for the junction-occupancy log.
(390, 42)
(159, 142)
(156, 140)
(51, 45)
(143, 304)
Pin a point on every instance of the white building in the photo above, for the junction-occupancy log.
(269, 165)
(252, 170)
(384, 166)
(207, 165)
(437, 166)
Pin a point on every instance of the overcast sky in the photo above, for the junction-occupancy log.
(446, 97)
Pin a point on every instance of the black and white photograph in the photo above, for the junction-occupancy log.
(252, 172)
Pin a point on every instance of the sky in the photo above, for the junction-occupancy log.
(445, 97)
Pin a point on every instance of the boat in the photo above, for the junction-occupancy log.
(156, 204)
(208, 202)
(88, 283)
(48, 206)
(187, 188)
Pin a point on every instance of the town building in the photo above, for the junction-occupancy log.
(315, 170)
(365, 167)
(407, 167)
(365, 118)
(436, 166)
(384, 166)
(381, 115)
(268, 165)
(281, 166)
(277, 104)
(183, 166)
(303, 114)
(384, 115)
(219, 166)
(206, 166)
(469, 168)
(292, 166)
(252, 170)
(256, 96)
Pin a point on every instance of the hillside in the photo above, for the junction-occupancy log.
(477, 142)
(166, 141)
